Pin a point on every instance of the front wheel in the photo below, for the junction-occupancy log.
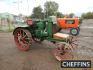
(22, 39)
(74, 31)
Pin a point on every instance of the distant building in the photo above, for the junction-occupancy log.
(5, 18)
(8, 20)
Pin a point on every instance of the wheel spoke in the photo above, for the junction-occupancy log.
(27, 38)
(20, 33)
(23, 39)
(74, 40)
(24, 45)
(26, 42)
(24, 36)
(72, 46)
(75, 44)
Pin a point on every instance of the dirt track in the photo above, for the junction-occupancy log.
(40, 57)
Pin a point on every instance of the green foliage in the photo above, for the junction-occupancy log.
(60, 15)
(37, 13)
(88, 15)
(50, 8)
(71, 15)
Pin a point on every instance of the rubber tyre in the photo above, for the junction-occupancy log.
(79, 28)
(74, 31)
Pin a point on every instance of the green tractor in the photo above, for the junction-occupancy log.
(40, 30)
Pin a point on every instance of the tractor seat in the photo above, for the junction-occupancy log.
(60, 36)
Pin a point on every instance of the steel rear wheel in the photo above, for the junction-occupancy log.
(22, 39)
(62, 52)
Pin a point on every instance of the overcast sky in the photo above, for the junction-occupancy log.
(65, 6)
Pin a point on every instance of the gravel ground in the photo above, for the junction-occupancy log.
(40, 57)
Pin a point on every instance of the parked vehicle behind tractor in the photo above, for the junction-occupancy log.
(72, 24)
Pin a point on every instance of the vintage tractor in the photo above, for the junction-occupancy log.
(39, 30)
(72, 24)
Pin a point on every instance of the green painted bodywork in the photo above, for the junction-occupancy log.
(43, 29)
(49, 28)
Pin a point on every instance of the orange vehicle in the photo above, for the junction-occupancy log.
(69, 23)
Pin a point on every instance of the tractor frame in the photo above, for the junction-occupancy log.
(37, 31)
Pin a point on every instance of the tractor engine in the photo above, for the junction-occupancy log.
(38, 28)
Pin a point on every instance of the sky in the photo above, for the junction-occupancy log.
(25, 7)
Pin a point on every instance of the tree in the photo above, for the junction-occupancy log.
(50, 8)
(37, 13)
(71, 15)
(60, 15)
(88, 15)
